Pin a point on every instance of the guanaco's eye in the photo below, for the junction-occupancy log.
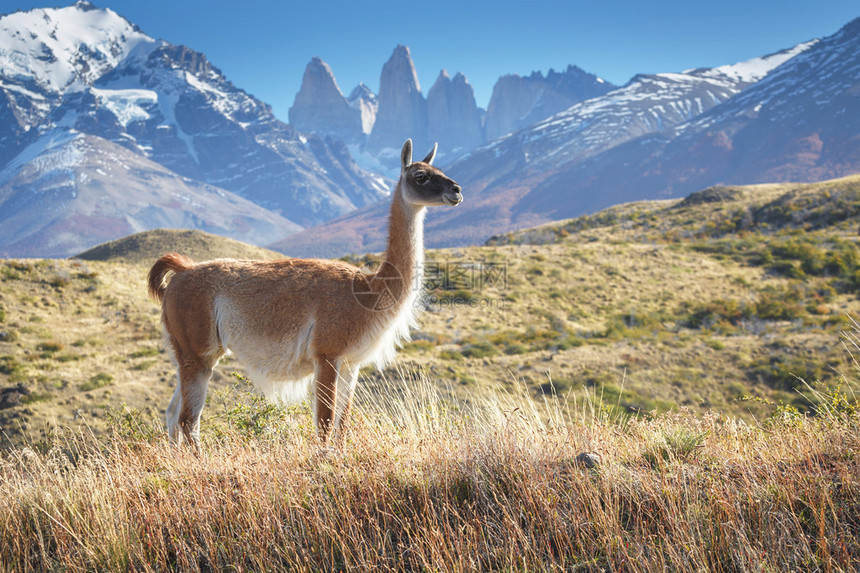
(421, 178)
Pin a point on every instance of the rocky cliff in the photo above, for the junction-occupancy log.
(453, 118)
(365, 101)
(320, 107)
(402, 109)
(519, 101)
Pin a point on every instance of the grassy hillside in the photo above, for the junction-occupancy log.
(145, 247)
(722, 301)
(616, 392)
(731, 292)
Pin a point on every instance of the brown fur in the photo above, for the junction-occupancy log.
(292, 318)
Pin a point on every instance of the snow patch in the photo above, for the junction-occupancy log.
(129, 105)
(54, 151)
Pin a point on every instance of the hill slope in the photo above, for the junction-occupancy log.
(733, 291)
(146, 247)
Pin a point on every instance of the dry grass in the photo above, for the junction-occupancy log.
(424, 484)
(689, 304)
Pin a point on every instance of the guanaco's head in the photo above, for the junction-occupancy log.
(423, 184)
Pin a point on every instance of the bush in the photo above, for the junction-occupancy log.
(478, 350)
(100, 380)
(786, 372)
(144, 352)
(711, 313)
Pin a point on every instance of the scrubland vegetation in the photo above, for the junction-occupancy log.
(700, 352)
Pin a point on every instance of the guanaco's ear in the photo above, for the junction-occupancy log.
(406, 154)
(432, 155)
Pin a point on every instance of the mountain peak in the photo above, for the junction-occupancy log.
(320, 72)
(65, 49)
(402, 110)
(320, 107)
(364, 100)
(754, 69)
(84, 5)
(361, 91)
(401, 51)
(852, 27)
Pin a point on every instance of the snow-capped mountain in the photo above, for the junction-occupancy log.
(793, 115)
(69, 191)
(45, 54)
(646, 104)
(86, 70)
(801, 122)
(798, 123)
(519, 101)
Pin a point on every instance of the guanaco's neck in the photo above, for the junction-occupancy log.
(404, 255)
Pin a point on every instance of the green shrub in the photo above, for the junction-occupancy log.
(100, 380)
(448, 354)
(33, 397)
(779, 304)
(144, 352)
(711, 313)
(144, 365)
(48, 348)
(134, 425)
(786, 372)
(555, 386)
(9, 365)
(480, 349)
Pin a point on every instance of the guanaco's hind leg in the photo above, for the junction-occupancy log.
(193, 381)
(183, 412)
(347, 378)
(324, 393)
(173, 414)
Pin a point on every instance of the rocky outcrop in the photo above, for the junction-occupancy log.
(365, 101)
(320, 107)
(453, 118)
(402, 109)
(519, 101)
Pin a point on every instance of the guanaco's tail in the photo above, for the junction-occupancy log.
(171, 262)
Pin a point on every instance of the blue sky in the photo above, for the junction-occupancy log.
(263, 46)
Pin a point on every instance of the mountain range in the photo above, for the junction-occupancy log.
(790, 116)
(376, 126)
(106, 131)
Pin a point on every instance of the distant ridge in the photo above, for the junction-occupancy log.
(147, 246)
